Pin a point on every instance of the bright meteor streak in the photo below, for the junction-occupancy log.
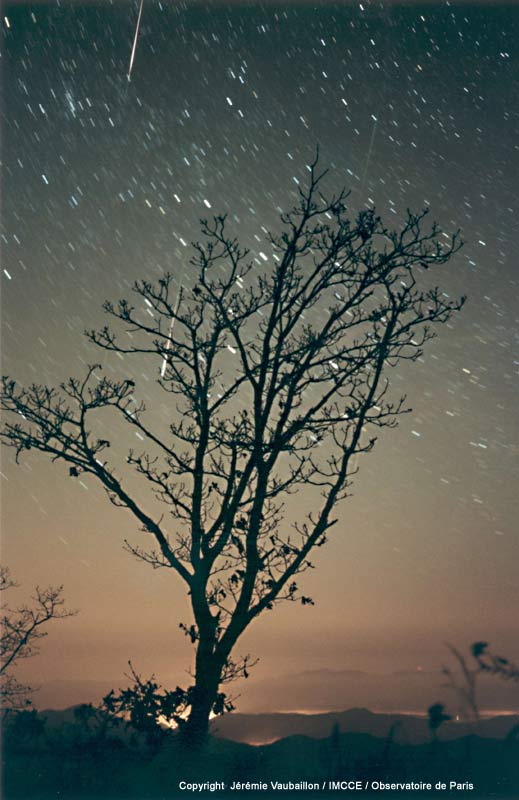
(370, 150)
(170, 333)
(135, 41)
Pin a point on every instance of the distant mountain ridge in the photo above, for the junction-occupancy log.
(262, 729)
(314, 691)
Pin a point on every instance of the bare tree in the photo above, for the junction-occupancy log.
(21, 630)
(273, 375)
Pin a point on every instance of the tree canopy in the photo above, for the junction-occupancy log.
(276, 377)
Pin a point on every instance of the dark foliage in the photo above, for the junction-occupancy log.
(76, 763)
(150, 709)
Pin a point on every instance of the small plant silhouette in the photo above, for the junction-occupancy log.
(437, 717)
(464, 682)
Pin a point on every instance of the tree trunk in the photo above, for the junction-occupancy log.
(196, 729)
(208, 670)
(207, 680)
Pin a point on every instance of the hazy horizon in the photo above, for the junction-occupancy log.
(379, 692)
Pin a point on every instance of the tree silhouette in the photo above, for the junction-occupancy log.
(272, 374)
(21, 630)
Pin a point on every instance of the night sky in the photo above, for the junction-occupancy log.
(104, 182)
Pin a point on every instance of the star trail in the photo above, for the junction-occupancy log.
(104, 182)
